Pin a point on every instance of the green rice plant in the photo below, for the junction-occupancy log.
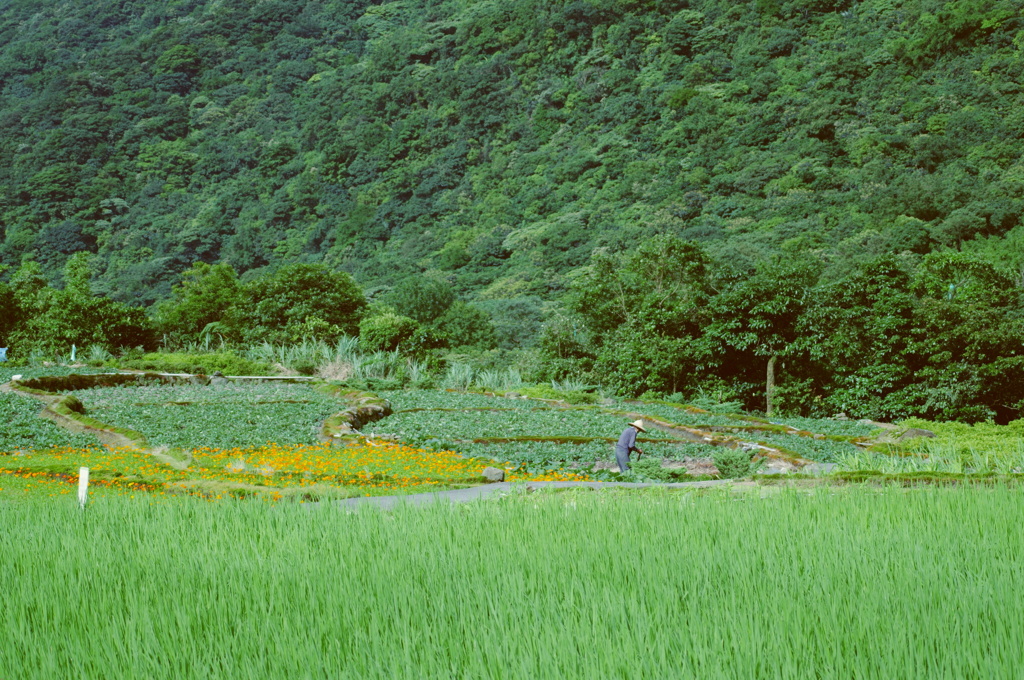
(881, 584)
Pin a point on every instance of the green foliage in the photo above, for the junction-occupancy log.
(10, 314)
(422, 298)
(496, 147)
(54, 320)
(219, 416)
(733, 463)
(549, 392)
(22, 428)
(179, 362)
(479, 152)
(386, 332)
(650, 469)
(203, 297)
(465, 326)
(280, 306)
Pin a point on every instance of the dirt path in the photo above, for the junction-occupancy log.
(504, 488)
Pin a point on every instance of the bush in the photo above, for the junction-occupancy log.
(386, 332)
(733, 463)
(570, 397)
(650, 469)
(226, 363)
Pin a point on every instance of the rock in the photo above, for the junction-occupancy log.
(777, 467)
(493, 474)
(819, 469)
(840, 416)
(512, 395)
(916, 432)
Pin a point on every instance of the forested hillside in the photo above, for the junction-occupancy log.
(514, 148)
(501, 141)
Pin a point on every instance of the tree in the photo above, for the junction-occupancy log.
(58, 319)
(204, 296)
(466, 326)
(422, 298)
(388, 331)
(274, 307)
(10, 313)
(662, 281)
(854, 341)
(757, 318)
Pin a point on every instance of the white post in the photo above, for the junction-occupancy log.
(72, 354)
(83, 486)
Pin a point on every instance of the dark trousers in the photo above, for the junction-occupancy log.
(622, 456)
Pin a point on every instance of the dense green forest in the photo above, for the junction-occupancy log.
(682, 192)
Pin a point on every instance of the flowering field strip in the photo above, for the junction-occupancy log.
(378, 464)
(882, 583)
(370, 467)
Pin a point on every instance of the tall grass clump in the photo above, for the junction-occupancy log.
(458, 377)
(342, 360)
(858, 583)
(501, 381)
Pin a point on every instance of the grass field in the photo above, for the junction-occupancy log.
(851, 583)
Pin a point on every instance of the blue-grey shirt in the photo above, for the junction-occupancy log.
(627, 440)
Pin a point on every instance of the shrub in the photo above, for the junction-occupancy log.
(226, 363)
(386, 332)
(733, 463)
(650, 468)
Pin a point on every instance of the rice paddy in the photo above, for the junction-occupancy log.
(859, 583)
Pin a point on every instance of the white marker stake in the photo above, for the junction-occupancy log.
(83, 486)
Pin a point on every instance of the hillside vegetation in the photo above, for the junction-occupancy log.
(829, 189)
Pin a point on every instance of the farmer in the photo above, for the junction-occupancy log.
(627, 444)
